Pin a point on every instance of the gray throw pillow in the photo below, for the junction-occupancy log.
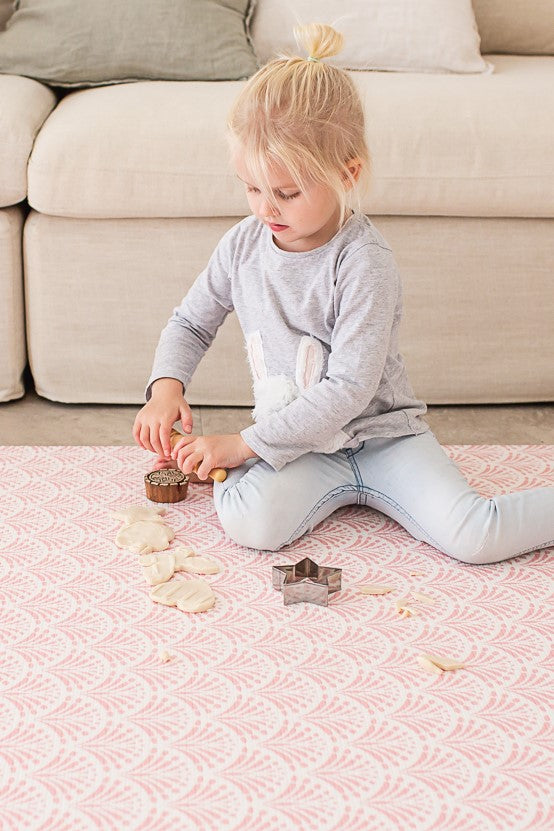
(89, 43)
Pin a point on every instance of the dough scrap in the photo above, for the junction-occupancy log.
(423, 598)
(403, 608)
(134, 513)
(144, 536)
(187, 595)
(428, 665)
(160, 570)
(165, 656)
(443, 663)
(374, 588)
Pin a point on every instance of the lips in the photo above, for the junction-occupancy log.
(277, 228)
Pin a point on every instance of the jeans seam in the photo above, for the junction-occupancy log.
(329, 495)
(405, 513)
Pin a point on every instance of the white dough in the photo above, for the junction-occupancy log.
(160, 570)
(187, 595)
(134, 513)
(196, 565)
(144, 536)
(165, 656)
(188, 560)
(182, 551)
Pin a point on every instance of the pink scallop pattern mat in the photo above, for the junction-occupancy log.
(269, 717)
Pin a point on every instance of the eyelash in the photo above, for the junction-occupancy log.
(283, 196)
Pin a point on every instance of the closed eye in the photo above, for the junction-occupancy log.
(280, 195)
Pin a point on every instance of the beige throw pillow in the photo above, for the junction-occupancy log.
(395, 35)
(87, 43)
(6, 10)
(519, 27)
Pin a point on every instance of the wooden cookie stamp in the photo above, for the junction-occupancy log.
(166, 485)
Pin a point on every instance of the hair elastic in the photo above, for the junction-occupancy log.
(311, 58)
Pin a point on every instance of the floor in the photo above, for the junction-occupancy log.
(36, 421)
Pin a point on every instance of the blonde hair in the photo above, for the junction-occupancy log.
(304, 114)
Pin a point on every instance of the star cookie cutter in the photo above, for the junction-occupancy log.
(307, 582)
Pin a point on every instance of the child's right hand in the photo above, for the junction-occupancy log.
(154, 421)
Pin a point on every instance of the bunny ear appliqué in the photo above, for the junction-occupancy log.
(271, 392)
(309, 362)
(255, 353)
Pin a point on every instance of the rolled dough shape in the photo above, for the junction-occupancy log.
(186, 595)
(182, 551)
(160, 570)
(144, 536)
(196, 565)
(129, 514)
(188, 560)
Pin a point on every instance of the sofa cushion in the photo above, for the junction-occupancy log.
(521, 27)
(13, 354)
(466, 145)
(24, 106)
(78, 43)
(476, 324)
(397, 35)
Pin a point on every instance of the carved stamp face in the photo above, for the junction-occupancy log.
(169, 476)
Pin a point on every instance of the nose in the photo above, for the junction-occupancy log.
(267, 210)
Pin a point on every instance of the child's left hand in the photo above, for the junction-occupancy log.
(211, 451)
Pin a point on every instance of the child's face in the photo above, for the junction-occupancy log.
(298, 223)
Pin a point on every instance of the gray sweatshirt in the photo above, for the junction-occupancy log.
(321, 337)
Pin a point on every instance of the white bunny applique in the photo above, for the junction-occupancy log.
(273, 392)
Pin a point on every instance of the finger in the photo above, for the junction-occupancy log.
(165, 432)
(203, 470)
(145, 438)
(190, 460)
(136, 431)
(180, 444)
(186, 419)
(156, 440)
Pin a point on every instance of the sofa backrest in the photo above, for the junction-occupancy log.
(6, 9)
(519, 27)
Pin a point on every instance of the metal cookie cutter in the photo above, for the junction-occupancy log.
(306, 581)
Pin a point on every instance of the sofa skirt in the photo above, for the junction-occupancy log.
(12, 319)
(477, 323)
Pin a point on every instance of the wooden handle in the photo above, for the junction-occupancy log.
(218, 474)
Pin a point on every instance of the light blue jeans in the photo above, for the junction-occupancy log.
(410, 478)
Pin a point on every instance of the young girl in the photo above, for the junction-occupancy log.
(317, 292)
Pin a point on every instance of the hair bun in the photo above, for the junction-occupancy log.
(318, 39)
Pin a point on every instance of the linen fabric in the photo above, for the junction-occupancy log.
(471, 145)
(13, 354)
(393, 35)
(6, 11)
(76, 43)
(488, 329)
(320, 325)
(24, 106)
(523, 27)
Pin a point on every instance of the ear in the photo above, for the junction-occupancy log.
(354, 168)
(309, 362)
(255, 352)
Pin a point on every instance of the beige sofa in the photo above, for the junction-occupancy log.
(112, 199)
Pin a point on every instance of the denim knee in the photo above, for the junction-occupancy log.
(472, 541)
(255, 524)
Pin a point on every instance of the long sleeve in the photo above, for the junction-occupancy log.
(194, 323)
(368, 302)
